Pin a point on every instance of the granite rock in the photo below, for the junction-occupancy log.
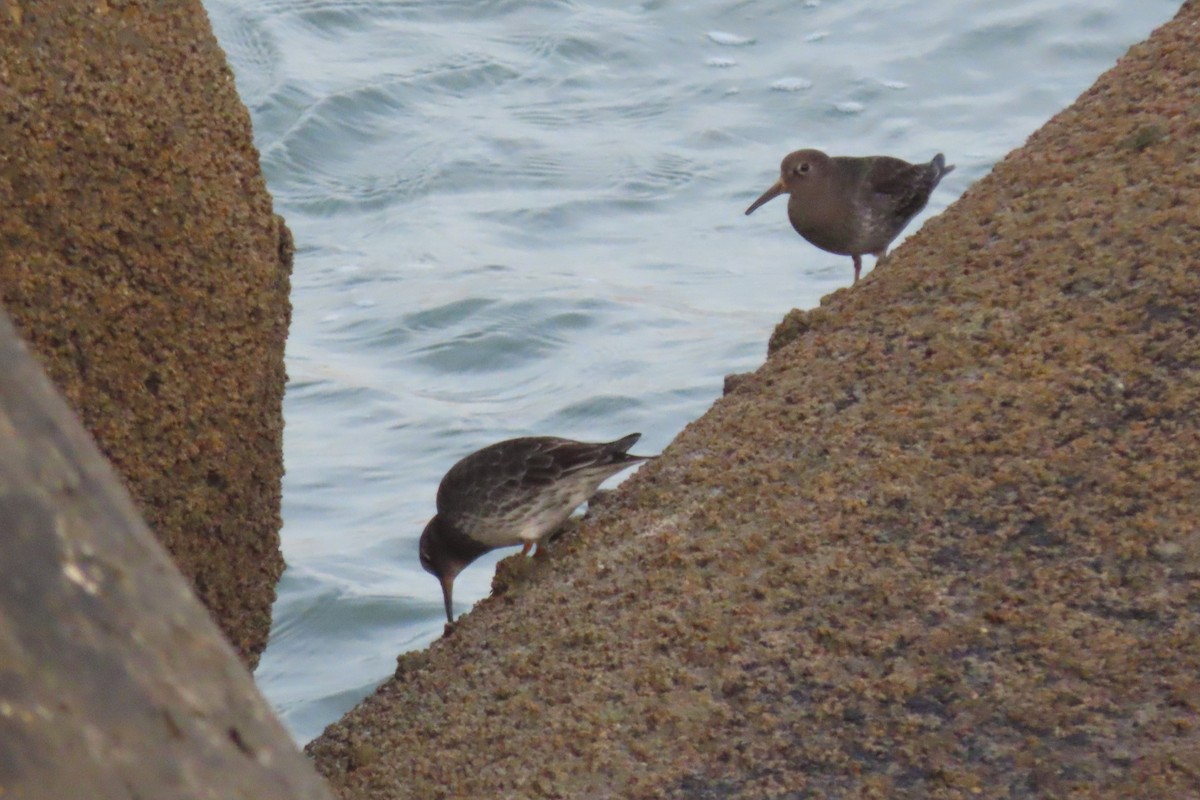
(141, 259)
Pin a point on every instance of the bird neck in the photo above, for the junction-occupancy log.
(457, 547)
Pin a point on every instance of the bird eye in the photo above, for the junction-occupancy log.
(802, 168)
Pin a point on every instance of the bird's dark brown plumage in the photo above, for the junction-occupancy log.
(519, 491)
(853, 206)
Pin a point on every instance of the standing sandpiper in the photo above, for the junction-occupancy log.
(518, 491)
(852, 206)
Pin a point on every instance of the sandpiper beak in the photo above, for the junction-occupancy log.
(448, 595)
(776, 189)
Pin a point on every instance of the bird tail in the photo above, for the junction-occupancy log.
(599, 458)
(939, 163)
(619, 450)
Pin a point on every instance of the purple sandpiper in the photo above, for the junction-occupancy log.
(518, 491)
(852, 206)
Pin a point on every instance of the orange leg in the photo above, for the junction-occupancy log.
(525, 548)
(540, 553)
(857, 267)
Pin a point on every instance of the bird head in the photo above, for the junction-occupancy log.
(796, 171)
(438, 559)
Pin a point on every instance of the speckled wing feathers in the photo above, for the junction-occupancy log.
(507, 483)
(906, 187)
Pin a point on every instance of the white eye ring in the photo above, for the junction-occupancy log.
(803, 168)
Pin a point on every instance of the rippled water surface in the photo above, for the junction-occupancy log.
(519, 217)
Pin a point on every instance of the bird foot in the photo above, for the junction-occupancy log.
(539, 553)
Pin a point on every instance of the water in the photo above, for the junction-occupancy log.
(526, 217)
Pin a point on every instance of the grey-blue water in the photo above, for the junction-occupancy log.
(525, 217)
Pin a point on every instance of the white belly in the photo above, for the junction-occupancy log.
(532, 522)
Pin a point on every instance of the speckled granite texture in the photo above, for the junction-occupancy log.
(943, 544)
(141, 259)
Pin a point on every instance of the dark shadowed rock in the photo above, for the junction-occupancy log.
(141, 259)
(114, 681)
(943, 544)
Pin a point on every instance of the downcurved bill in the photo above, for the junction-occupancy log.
(770, 194)
(448, 596)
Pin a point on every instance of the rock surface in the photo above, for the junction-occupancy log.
(114, 682)
(141, 259)
(943, 544)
